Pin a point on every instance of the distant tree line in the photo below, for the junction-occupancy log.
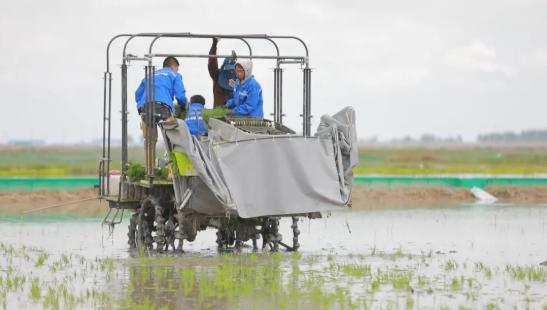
(408, 140)
(527, 136)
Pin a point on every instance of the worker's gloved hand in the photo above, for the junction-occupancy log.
(180, 111)
(215, 40)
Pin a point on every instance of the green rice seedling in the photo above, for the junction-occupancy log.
(144, 274)
(471, 295)
(161, 273)
(456, 283)
(333, 267)
(516, 272)
(401, 281)
(17, 282)
(206, 288)
(409, 304)
(399, 253)
(104, 299)
(375, 285)
(491, 306)
(530, 273)
(422, 281)
(340, 294)
(51, 300)
(480, 267)
(42, 257)
(69, 299)
(470, 282)
(253, 257)
(450, 265)
(295, 256)
(3, 295)
(215, 113)
(81, 259)
(135, 171)
(106, 264)
(321, 298)
(35, 291)
(65, 259)
(356, 270)
(188, 278)
(8, 283)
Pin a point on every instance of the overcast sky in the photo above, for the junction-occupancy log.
(453, 67)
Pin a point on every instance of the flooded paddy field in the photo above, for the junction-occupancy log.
(452, 256)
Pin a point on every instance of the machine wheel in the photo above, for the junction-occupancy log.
(295, 234)
(270, 234)
(159, 227)
(150, 220)
(132, 230)
(170, 227)
(225, 237)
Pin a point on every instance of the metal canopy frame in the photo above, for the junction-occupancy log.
(148, 57)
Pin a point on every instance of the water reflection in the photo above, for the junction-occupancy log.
(465, 255)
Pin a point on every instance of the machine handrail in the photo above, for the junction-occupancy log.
(190, 35)
(170, 35)
(224, 56)
(210, 36)
(280, 59)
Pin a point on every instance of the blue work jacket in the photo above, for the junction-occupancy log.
(168, 84)
(247, 100)
(194, 119)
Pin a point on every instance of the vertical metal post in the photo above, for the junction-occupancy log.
(146, 121)
(276, 85)
(150, 124)
(308, 71)
(306, 105)
(108, 159)
(102, 191)
(124, 122)
(278, 94)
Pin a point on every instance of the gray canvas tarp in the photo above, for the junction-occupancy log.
(275, 175)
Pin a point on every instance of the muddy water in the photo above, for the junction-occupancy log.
(462, 255)
(498, 234)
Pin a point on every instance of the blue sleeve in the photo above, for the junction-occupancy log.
(180, 92)
(232, 102)
(251, 103)
(139, 92)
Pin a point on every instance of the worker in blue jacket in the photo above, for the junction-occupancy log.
(247, 100)
(167, 85)
(194, 116)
